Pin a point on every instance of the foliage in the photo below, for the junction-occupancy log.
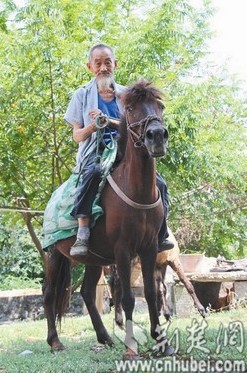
(21, 265)
(206, 168)
(43, 51)
(12, 282)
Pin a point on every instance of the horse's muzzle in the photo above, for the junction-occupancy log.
(156, 141)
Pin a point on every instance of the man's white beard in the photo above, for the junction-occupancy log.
(105, 83)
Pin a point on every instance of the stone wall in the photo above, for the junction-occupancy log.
(28, 305)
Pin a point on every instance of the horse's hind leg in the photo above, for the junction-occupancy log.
(56, 294)
(162, 292)
(116, 291)
(88, 292)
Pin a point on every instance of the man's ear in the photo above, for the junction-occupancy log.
(89, 66)
(116, 64)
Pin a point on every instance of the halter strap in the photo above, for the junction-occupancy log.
(143, 123)
(129, 201)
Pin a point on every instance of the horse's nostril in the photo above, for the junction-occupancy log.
(149, 134)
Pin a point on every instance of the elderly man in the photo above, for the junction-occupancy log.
(99, 96)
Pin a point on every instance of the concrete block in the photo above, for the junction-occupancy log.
(183, 303)
(240, 288)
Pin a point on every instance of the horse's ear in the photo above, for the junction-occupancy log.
(120, 96)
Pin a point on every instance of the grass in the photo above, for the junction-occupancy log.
(83, 355)
(12, 283)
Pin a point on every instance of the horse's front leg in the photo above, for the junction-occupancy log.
(148, 264)
(88, 292)
(128, 302)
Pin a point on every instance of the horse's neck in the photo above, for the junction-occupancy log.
(138, 175)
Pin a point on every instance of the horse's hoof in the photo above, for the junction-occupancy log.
(120, 324)
(58, 347)
(109, 342)
(202, 312)
(167, 316)
(164, 351)
(169, 351)
(131, 355)
(106, 342)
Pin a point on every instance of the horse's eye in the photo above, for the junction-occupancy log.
(129, 108)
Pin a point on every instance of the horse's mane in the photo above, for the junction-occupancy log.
(121, 139)
(139, 91)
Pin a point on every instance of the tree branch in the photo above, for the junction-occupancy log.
(28, 220)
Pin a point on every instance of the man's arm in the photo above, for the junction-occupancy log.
(81, 134)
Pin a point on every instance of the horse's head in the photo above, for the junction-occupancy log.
(143, 112)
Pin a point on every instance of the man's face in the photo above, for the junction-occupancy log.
(102, 64)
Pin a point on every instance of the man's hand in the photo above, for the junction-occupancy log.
(93, 113)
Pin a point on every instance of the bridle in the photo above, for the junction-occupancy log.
(138, 138)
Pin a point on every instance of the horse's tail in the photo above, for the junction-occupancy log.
(63, 288)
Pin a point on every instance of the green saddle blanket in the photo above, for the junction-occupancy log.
(58, 224)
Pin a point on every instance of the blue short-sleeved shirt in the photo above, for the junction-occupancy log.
(110, 109)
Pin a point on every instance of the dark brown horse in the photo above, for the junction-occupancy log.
(132, 218)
